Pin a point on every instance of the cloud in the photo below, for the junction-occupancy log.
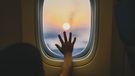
(50, 35)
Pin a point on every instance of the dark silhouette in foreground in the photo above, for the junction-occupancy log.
(20, 59)
(66, 49)
(23, 59)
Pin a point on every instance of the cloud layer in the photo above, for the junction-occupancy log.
(82, 35)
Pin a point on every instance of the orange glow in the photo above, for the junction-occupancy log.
(57, 12)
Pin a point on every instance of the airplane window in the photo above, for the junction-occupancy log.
(74, 16)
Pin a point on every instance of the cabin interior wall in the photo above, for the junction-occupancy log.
(28, 21)
(10, 22)
(117, 53)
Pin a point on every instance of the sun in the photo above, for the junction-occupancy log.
(66, 26)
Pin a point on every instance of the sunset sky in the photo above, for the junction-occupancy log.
(77, 16)
(57, 12)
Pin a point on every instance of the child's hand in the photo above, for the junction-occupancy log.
(67, 45)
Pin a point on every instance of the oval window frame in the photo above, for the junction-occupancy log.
(77, 61)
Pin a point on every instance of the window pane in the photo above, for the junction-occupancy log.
(70, 16)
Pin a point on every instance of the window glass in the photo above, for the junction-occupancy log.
(70, 16)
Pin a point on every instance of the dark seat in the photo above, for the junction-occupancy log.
(125, 14)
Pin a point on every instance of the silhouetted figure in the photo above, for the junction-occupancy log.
(20, 60)
(25, 60)
(66, 49)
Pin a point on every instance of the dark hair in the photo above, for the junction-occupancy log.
(21, 59)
